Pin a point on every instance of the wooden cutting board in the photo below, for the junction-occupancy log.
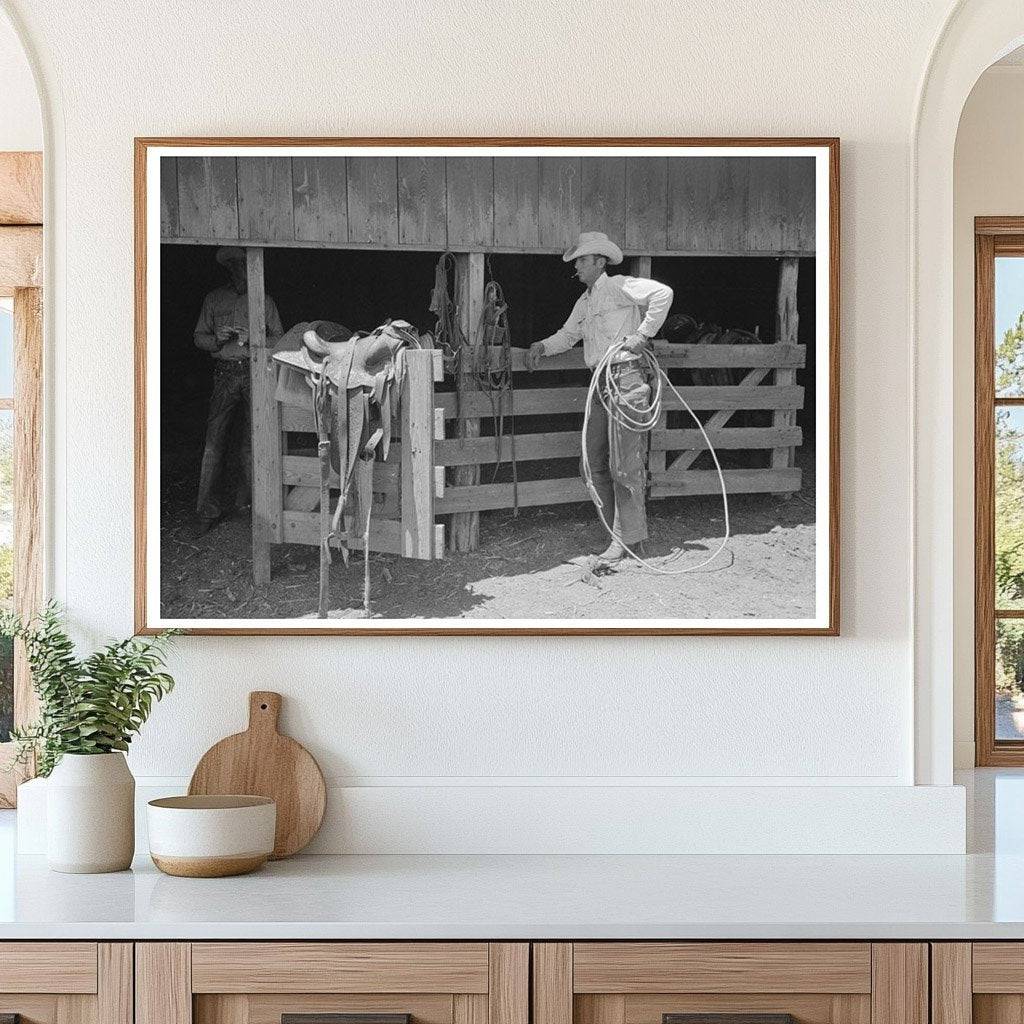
(262, 762)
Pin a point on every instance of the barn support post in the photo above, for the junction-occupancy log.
(640, 266)
(465, 529)
(267, 497)
(787, 322)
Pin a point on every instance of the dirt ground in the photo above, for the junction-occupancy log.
(528, 566)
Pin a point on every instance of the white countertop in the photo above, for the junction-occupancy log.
(978, 896)
(532, 897)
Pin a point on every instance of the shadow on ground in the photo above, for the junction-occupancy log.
(527, 567)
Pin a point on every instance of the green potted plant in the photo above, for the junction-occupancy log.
(89, 710)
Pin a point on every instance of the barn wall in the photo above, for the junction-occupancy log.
(700, 206)
(591, 728)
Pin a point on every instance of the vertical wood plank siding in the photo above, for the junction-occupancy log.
(320, 199)
(604, 195)
(168, 197)
(764, 217)
(373, 199)
(561, 201)
(517, 201)
(207, 197)
(798, 224)
(756, 205)
(646, 213)
(470, 199)
(421, 201)
(265, 199)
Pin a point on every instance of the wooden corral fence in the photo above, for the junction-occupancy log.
(768, 383)
(749, 205)
(402, 520)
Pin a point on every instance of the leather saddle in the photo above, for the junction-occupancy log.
(354, 382)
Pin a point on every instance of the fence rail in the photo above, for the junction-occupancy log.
(695, 357)
(673, 450)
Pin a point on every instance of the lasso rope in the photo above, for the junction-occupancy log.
(641, 419)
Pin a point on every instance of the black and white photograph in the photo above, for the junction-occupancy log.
(462, 387)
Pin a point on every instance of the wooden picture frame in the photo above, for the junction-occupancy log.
(184, 211)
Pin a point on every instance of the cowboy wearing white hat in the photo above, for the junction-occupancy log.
(223, 331)
(616, 309)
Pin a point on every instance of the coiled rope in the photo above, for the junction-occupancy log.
(641, 419)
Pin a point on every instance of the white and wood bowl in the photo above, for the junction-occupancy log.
(211, 836)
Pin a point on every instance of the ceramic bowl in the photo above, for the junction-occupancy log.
(211, 836)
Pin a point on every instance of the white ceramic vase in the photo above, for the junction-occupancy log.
(90, 814)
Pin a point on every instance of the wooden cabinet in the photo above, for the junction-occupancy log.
(979, 982)
(646, 982)
(494, 983)
(66, 982)
(260, 982)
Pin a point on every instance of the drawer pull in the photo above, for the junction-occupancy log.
(340, 1018)
(728, 1018)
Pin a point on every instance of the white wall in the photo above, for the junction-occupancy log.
(988, 181)
(21, 125)
(443, 713)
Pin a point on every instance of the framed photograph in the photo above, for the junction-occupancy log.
(487, 386)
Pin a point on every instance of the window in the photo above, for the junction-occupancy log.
(21, 374)
(999, 491)
(6, 509)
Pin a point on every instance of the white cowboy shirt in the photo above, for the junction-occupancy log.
(612, 309)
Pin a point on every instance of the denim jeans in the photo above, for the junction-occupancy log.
(618, 459)
(230, 399)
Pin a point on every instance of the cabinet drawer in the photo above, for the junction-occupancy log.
(48, 967)
(981, 982)
(635, 967)
(998, 967)
(262, 982)
(735, 982)
(66, 982)
(340, 967)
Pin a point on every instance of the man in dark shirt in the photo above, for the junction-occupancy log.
(223, 331)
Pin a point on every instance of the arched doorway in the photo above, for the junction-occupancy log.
(976, 33)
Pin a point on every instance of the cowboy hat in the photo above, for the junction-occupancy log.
(593, 243)
(229, 253)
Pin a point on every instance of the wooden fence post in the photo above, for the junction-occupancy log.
(465, 531)
(267, 487)
(787, 322)
(417, 486)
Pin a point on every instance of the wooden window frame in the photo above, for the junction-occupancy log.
(993, 236)
(21, 270)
